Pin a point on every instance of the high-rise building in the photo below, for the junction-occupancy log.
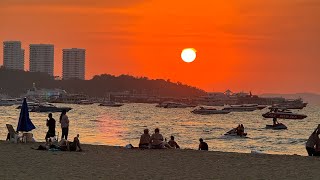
(73, 63)
(42, 58)
(13, 55)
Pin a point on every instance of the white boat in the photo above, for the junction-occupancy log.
(9, 102)
(110, 104)
(239, 108)
(174, 105)
(206, 111)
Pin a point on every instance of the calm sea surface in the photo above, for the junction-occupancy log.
(122, 125)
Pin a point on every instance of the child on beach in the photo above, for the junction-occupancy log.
(203, 145)
(173, 143)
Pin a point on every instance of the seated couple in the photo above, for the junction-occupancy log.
(155, 141)
(63, 145)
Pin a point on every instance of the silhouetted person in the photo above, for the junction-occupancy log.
(64, 120)
(145, 140)
(275, 121)
(312, 141)
(173, 143)
(51, 123)
(203, 145)
(156, 140)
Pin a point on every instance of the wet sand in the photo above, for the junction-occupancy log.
(19, 161)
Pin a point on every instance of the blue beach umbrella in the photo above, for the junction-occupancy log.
(25, 123)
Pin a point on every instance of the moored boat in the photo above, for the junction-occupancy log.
(206, 111)
(48, 108)
(110, 104)
(174, 105)
(283, 114)
(239, 108)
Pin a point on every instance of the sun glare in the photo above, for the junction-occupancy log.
(188, 55)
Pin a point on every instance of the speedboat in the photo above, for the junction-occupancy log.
(276, 126)
(233, 132)
(30, 105)
(48, 108)
(84, 102)
(283, 114)
(110, 104)
(240, 108)
(174, 105)
(206, 111)
(9, 102)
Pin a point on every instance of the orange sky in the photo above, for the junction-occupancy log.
(262, 46)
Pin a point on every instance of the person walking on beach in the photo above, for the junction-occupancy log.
(51, 123)
(64, 121)
(312, 141)
(203, 145)
(145, 140)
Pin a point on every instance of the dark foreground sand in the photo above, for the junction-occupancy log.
(19, 161)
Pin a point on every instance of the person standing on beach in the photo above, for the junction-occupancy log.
(312, 141)
(51, 123)
(64, 121)
(203, 145)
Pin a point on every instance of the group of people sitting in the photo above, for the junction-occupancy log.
(63, 145)
(156, 141)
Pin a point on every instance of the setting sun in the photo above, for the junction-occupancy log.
(188, 55)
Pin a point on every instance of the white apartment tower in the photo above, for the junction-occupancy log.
(13, 55)
(73, 63)
(42, 58)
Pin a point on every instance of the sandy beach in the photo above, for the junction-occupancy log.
(20, 161)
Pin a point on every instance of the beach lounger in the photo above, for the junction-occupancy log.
(14, 136)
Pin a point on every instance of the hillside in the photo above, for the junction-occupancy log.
(15, 83)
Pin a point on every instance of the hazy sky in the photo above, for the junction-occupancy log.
(263, 46)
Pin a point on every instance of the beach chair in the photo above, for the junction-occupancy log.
(27, 137)
(14, 136)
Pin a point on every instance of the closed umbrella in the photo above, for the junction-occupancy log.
(25, 123)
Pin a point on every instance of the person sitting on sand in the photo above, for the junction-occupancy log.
(156, 140)
(145, 140)
(173, 143)
(312, 141)
(203, 145)
(65, 145)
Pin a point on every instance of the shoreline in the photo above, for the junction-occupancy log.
(109, 162)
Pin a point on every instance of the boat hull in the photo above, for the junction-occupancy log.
(276, 127)
(284, 115)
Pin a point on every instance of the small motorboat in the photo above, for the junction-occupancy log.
(206, 111)
(239, 108)
(233, 132)
(48, 108)
(110, 104)
(276, 126)
(174, 105)
(283, 114)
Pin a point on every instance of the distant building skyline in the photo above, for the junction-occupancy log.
(73, 63)
(41, 58)
(13, 55)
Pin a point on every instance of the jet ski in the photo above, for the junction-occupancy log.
(233, 132)
(276, 126)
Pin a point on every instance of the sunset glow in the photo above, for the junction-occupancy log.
(244, 45)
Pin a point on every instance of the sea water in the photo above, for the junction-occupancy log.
(119, 126)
